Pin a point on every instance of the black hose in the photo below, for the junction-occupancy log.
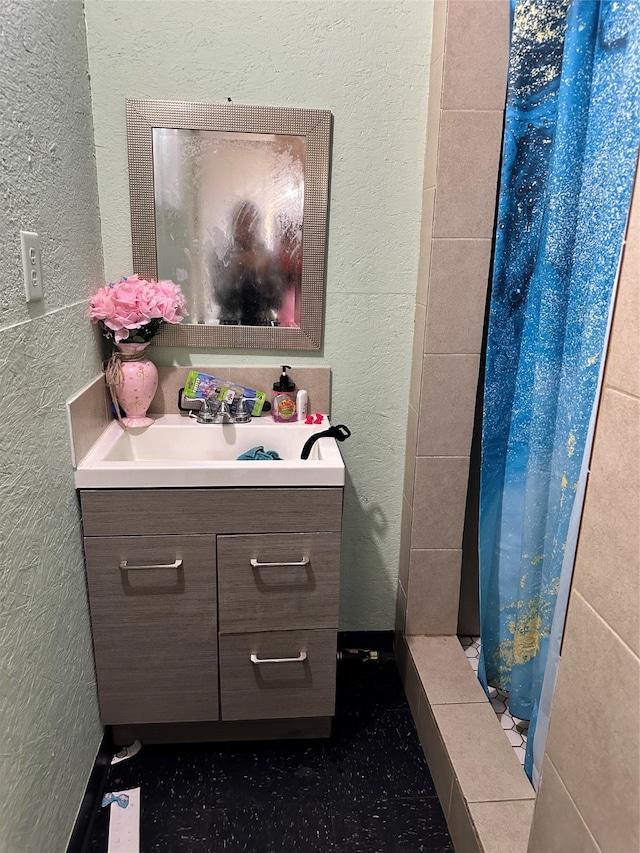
(339, 432)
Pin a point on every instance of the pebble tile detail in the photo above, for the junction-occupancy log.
(514, 728)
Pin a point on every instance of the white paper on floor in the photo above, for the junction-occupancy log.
(124, 821)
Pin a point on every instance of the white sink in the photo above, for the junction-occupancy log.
(177, 451)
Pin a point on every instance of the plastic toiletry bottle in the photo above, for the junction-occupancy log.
(302, 402)
(284, 400)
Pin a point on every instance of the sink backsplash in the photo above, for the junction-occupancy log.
(89, 415)
(316, 381)
(90, 409)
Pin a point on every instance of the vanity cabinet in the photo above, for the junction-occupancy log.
(215, 605)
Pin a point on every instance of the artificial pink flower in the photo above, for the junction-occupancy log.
(171, 302)
(136, 308)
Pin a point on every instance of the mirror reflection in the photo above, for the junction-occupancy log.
(229, 223)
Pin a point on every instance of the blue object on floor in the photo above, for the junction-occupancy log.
(257, 453)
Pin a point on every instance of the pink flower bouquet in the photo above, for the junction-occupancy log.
(132, 310)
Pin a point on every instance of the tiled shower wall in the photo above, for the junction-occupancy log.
(589, 796)
(466, 111)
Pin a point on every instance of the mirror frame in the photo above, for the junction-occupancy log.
(315, 125)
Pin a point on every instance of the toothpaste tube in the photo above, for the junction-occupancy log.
(200, 386)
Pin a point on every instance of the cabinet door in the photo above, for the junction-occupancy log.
(278, 582)
(154, 627)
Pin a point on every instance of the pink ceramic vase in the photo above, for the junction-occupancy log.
(138, 384)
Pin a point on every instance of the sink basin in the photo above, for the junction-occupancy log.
(177, 451)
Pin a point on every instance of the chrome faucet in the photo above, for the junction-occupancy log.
(214, 412)
(219, 412)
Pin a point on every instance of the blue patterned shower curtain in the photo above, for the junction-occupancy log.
(569, 156)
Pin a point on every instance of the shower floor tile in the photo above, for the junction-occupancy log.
(514, 728)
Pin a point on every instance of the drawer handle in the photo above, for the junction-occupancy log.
(257, 565)
(125, 567)
(302, 656)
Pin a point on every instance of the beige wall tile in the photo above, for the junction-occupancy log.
(484, 762)
(432, 142)
(557, 826)
(436, 755)
(417, 356)
(433, 592)
(623, 357)
(503, 826)
(460, 825)
(467, 176)
(444, 671)
(410, 455)
(439, 502)
(426, 229)
(607, 569)
(401, 608)
(438, 28)
(457, 297)
(405, 544)
(447, 404)
(477, 55)
(401, 655)
(412, 686)
(623, 360)
(593, 731)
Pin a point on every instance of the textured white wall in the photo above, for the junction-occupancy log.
(367, 62)
(49, 729)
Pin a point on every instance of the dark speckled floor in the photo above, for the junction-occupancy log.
(365, 790)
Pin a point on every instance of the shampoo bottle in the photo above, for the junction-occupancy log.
(284, 400)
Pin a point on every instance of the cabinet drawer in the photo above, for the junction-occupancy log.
(252, 690)
(154, 629)
(125, 512)
(278, 593)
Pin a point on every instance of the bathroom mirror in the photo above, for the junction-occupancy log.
(230, 202)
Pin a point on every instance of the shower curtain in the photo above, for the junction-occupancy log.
(572, 131)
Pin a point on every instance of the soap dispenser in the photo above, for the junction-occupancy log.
(284, 400)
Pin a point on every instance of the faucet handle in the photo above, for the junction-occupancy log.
(209, 411)
(242, 414)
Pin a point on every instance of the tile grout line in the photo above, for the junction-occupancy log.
(573, 802)
(606, 624)
(10, 326)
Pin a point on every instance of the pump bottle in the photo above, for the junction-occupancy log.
(284, 401)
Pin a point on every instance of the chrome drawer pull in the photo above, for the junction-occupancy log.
(302, 656)
(177, 564)
(257, 565)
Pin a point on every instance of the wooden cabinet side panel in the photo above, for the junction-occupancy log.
(125, 512)
(154, 630)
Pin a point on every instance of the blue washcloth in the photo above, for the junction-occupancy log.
(259, 453)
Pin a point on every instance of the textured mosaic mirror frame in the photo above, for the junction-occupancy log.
(315, 125)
